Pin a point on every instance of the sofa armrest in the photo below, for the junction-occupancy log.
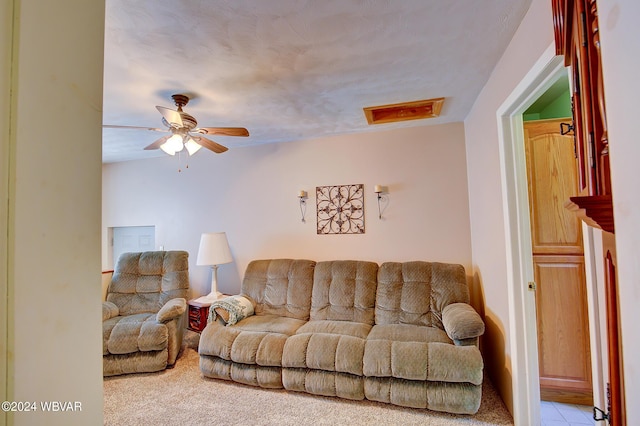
(462, 322)
(172, 309)
(109, 310)
(253, 302)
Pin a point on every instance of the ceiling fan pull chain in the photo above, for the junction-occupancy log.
(186, 159)
(180, 162)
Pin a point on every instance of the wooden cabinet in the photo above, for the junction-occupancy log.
(198, 314)
(577, 39)
(558, 259)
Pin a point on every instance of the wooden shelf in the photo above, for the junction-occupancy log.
(596, 210)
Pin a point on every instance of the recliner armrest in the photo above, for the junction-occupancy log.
(172, 309)
(109, 310)
(462, 322)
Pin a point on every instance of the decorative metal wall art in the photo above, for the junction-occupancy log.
(340, 209)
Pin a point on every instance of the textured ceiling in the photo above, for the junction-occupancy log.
(293, 69)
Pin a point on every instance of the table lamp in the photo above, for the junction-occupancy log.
(214, 250)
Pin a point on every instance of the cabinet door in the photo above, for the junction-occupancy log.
(563, 329)
(583, 55)
(552, 179)
(582, 100)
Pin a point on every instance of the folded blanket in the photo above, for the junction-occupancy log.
(231, 309)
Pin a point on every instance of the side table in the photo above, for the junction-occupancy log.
(198, 314)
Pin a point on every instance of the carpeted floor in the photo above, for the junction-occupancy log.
(181, 396)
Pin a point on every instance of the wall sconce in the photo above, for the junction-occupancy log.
(380, 190)
(302, 196)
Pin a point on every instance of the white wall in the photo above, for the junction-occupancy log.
(251, 194)
(620, 39)
(533, 36)
(53, 314)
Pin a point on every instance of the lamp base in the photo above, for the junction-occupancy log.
(214, 294)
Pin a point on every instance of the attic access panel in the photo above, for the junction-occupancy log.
(416, 110)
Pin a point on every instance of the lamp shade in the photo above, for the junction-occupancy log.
(192, 146)
(214, 249)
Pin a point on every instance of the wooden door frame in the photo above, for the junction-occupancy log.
(522, 309)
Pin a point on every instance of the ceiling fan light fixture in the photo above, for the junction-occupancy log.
(176, 143)
(192, 146)
(166, 147)
(179, 127)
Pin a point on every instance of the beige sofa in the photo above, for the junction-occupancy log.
(400, 333)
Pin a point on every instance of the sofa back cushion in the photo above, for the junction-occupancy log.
(144, 282)
(417, 292)
(344, 290)
(280, 286)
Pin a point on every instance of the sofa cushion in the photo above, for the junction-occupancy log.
(257, 340)
(144, 282)
(417, 292)
(245, 347)
(254, 375)
(408, 333)
(269, 324)
(135, 362)
(109, 310)
(344, 290)
(327, 345)
(460, 398)
(280, 287)
(347, 328)
(327, 383)
(322, 351)
(440, 362)
(133, 333)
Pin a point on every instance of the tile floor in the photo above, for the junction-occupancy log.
(556, 414)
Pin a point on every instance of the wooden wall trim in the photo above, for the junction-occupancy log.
(615, 392)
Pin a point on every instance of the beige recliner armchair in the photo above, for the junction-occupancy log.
(143, 318)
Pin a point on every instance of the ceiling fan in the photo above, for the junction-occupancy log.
(183, 132)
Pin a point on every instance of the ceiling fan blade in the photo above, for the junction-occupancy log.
(209, 144)
(157, 143)
(112, 126)
(172, 117)
(223, 131)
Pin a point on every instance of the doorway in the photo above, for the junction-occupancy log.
(520, 272)
(131, 239)
(558, 251)
(562, 317)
